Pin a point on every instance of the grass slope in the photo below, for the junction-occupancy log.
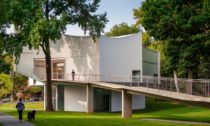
(155, 109)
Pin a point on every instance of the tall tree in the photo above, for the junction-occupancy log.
(5, 85)
(122, 29)
(43, 21)
(6, 63)
(3, 24)
(184, 25)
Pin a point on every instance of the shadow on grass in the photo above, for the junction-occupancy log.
(153, 105)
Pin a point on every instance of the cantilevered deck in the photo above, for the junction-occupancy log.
(181, 90)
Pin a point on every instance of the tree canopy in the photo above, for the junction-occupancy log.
(185, 27)
(37, 23)
(122, 29)
(6, 63)
(5, 85)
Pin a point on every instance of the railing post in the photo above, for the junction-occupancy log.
(208, 89)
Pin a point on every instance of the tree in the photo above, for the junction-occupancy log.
(3, 24)
(122, 29)
(43, 21)
(5, 85)
(6, 63)
(184, 26)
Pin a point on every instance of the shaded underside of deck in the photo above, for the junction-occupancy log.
(157, 93)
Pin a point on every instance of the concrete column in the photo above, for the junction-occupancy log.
(89, 98)
(126, 104)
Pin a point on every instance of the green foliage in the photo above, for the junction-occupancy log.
(3, 23)
(122, 29)
(6, 63)
(184, 25)
(44, 21)
(5, 85)
(21, 83)
(35, 90)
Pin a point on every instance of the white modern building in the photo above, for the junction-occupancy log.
(121, 59)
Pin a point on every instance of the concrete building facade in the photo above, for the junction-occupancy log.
(122, 59)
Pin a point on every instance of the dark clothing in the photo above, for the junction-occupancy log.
(20, 107)
(73, 74)
(20, 114)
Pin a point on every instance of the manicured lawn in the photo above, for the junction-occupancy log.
(155, 109)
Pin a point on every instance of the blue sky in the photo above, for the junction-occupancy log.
(118, 11)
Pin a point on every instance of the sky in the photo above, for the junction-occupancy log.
(118, 11)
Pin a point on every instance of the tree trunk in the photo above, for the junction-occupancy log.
(49, 106)
(176, 81)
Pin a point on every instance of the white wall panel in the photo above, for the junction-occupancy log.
(138, 102)
(75, 98)
(119, 56)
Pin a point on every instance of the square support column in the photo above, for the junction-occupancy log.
(126, 104)
(89, 98)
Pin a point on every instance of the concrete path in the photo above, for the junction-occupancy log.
(177, 121)
(8, 120)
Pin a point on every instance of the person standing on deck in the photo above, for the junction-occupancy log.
(73, 74)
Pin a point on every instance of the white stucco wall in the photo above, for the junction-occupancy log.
(138, 102)
(120, 55)
(116, 101)
(78, 53)
(75, 98)
(31, 82)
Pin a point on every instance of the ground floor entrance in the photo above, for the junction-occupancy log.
(102, 100)
(87, 98)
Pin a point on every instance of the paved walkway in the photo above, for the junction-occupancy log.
(177, 121)
(8, 120)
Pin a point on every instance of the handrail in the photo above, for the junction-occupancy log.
(198, 87)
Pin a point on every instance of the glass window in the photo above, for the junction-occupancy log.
(58, 69)
(136, 75)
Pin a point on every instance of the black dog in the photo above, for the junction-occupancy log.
(31, 115)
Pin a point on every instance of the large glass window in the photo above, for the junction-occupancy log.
(58, 69)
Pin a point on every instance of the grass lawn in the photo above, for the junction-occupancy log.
(155, 109)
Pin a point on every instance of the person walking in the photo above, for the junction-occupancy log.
(73, 74)
(20, 107)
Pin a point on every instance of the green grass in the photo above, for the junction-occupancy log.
(155, 109)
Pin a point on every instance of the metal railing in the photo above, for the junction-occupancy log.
(198, 87)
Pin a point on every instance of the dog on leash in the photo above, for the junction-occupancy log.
(31, 115)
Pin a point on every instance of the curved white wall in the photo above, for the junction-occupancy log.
(120, 55)
(150, 62)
